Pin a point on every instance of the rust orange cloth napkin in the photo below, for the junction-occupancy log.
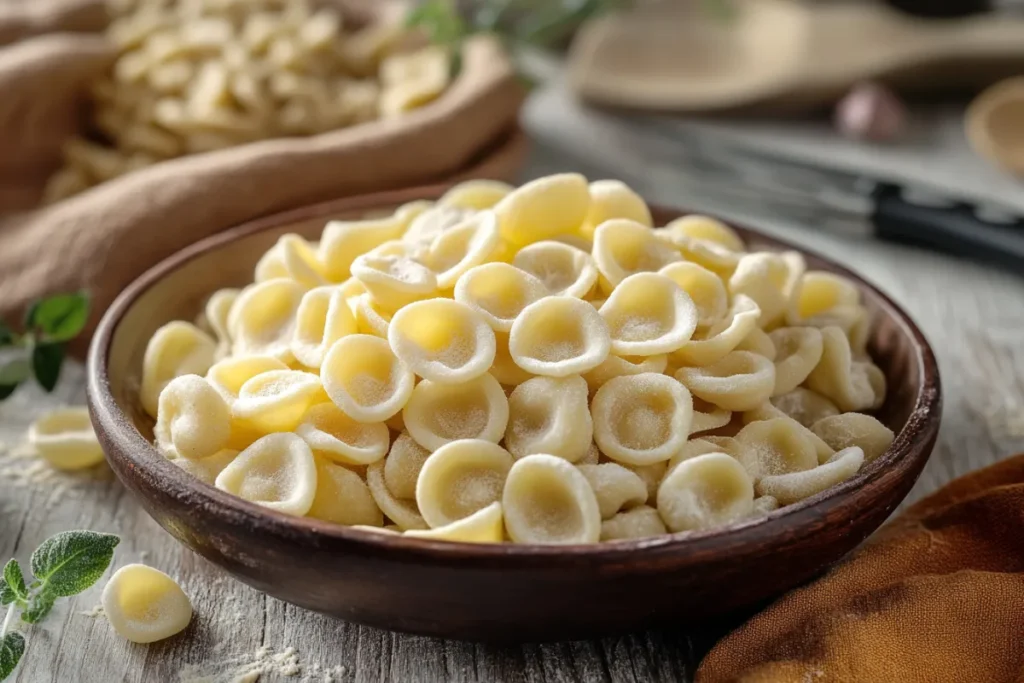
(936, 596)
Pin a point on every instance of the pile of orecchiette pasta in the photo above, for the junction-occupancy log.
(200, 75)
(534, 364)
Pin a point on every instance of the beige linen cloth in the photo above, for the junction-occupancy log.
(105, 237)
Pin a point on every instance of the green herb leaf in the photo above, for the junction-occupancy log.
(38, 607)
(71, 561)
(11, 648)
(60, 318)
(46, 362)
(439, 19)
(6, 334)
(12, 585)
(15, 371)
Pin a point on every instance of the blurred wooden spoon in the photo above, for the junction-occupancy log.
(995, 124)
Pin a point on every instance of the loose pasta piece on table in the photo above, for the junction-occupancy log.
(740, 381)
(648, 314)
(623, 247)
(639, 522)
(402, 466)
(486, 525)
(704, 492)
(275, 401)
(145, 605)
(194, 420)
(342, 497)
(364, 378)
(780, 446)
(617, 366)
(207, 469)
(798, 351)
(559, 336)
(723, 337)
(178, 348)
(705, 289)
(615, 487)
(793, 487)
(563, 269)
(544, 208)
(851, 385)
(65, 439)
(229, 375)
(344, 241)
(334, 435)
(476, 194)
(641, 419)
(394, 281)
(278, 472)
(464, 246)
(461, 478)
(498, 292)
(855, 429)
(402, 511)
(549, 415)
(438, 414)
(548, 500)
(263, 319)
(762, 276)
(805, 406)
(322, 318)
(442, 340)
(707, 229)
(614, 199)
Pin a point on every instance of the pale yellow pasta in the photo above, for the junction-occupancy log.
(344, 241)
(334, 435)
(615, 487)
(402, 511)
(178, 348)
(723, 337)
(759, 342)
(216, 312)
(462, 247)
(718, 444)
(194, 420)
(433, 221)
(641, 419)
(486, 525)
(617, 366)
(559, 336)
(851, 385)
(623, 247)
(707, 416)
(798, 351)
(768, 411)
(563, 269)
(548, 500)
(780, 446)
(740, 381)
(476, 194)
(853, 320)
(549, 415)
(369, 318)
(65, 439)
(706, 229)
(323, 317)
(292, 257)
(263, 319)
(342, 497)
(275, 401)
(763, 505)
(705, 491)
(145, 605)
(592, 457)
(648, 314)
(442, 340)
(229, 375)
(394, 281)
(364, 378)
(277, 471)
(639, 522)
(819, 292)
(855, 429)
(504, 368)
(543, 208)
(614, 199)
(420, 78)
(793, 487)
(461, 478)
(651, 475)
(762, 276)
(438, 414)
(498, 292)
(402, 466)
(705, 289)
(805, 406)
(207, 469)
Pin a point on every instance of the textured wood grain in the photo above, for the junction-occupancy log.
(973, 315)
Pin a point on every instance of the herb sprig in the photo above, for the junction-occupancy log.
(63, 565)
(49, 324)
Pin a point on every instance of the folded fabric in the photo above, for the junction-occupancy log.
(937, 595)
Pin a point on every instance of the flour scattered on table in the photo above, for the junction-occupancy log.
(95, 613)
(1005, 418)
(265, 665)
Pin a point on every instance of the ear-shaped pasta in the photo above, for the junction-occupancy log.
(781, 446)
(66, 440)
(476, 194)
(855, 429)
(798, 351)
(819, 292)
(762, 276)
(768, 411)
(177, 348)
(277, 472)
(759, 342)
(343, 242)
(563, 269)
(638, 522)
(394, 281)
(614, 199)
(504, 368)
(707, 416)
(323, 317)
(795, 486)
(145, 605)
(624, 247)
(462, 247)
(275, 401)
(648, 314)
(332, 434)
(711, 255)
(559, 336)
(853, 320)
(294, 258)
(263, 319)
(402, 511)
(615, 487)
(217, 310)
(543, 208)
(641, 419)
(805, 406)
(229, 375)
(461, 478)
(434, 221)
(651, 475)
(592, 457)
(851, 385)
(193, 419)
(438, 414)
(706, 229)
(402, 466)
(705, 289)
(618, 366)
(704, 492)
(763, 505)
(365, 379)
(498, 292)
(548, 500)
(442, 340)
(486, 525)
(207, 469)
(719, 444)
(739, 381)
(549, 415)
(722, 337)
(369, 318)
(342, 497)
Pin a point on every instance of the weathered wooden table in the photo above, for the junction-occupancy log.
(973, 315)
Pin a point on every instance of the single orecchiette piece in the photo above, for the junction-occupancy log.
(793, 487)
(851, 385)
(229, 375)
(641, 419)
(615, 487)
(718, 444)
(504, 368)
(819, 292)
(763, 505)
(853, 320)
(711, 255)
(342, 497)
(768, 411)
(798, 351)
(543, 208)
(438, 414)
(705, 289)
(65, 439)
(177, 348)
(648, 314)
(462, 247)
(740, 381)
(498, 292)
(706, 491)
(402, 511)
(614, 199)
(394, 280)
(559, 336)
(549, 415)
(461, 478)
(805, 406)
(344, 241)
(780, 446)
(207, 469)
(370, 319)
(293, 258)
(334, 435)
(723, 337)
(548, 500)
(275, 401)
(476, 194)
(486, 525)
(762, 276)
(638, 522)
(145, 605)
(855, 429)
(323, 317)
(706, 229)
(365, 379)
(623, 247)
(263, 319)
(707, 416)
(277, 472)
(564, 270)
(617, 366)
(402, 466)
(651, 475)
(435, 220)
(759, 342)
(442, 340)
(194, 420)
(217, 310)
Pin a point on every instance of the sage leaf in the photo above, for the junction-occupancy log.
(60, 318)
(71, 561)
(12, 646)
(46, 362)
(38, 607)
(12, 585)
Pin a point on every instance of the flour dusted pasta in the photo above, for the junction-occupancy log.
(499, 293)
(194, 420)
(442, 340)
(559, 336)
(343, 497)
(332, 434)
(322, 318)
(641, 419)
(561, 268)
(705, 491)
(617, 366)
(437, 413)
(145, 605)
(550, 415)
(614, 199)
(365, 379)
(486, 525)
(648, 314)
(623, 247)
(639, 522)
(846, 430)
(544, 208)
(797, 352)
(615, 487)
(705, 289)
(461, 478)
(476, 194)
(263, 319)
(65, 439)
(277, 472)
(792, 487)
(741, 380)
(178, 348)
(548, 500)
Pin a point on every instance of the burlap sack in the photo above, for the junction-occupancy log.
(105, 237)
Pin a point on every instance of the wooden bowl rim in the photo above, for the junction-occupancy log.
(907, 453)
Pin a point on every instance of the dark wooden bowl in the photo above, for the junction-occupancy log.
(489, 592)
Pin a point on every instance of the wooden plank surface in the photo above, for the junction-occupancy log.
(973, 315)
